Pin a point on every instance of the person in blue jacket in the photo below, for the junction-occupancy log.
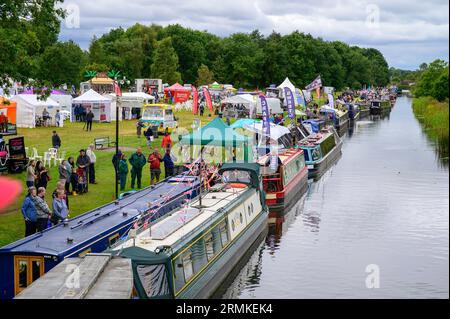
(29, 212)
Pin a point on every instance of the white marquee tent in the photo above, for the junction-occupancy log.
(29, 106)
(100, 105)
(130, 101)
(288, 83)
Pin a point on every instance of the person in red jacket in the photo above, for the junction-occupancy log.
(155, 166)
(167, 141)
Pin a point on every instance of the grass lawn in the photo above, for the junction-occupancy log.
(73, 139)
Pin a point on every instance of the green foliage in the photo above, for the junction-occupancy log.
(433, 81)
(205, 76)
(165, 62)
(62, 63)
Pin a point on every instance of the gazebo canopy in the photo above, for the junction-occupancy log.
(91, 97)
(215, 133)
(177, 87)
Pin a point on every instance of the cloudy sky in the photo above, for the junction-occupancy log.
(407, 32)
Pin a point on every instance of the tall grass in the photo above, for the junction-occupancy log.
(434, 116)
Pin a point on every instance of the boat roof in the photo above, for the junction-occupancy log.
(285, 155)
(315, 138)
(183, 222)
(53, 241)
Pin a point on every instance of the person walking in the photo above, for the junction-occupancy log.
(92, 160)
(29, 212)
(137, 161)
(166, 141)
(58, 118)
(31, 174)
(139, 126)
(123, 171)
(60, 209)
(56, 140)
(89, 119)
(168, 164)
(42, 210)
(155, 166)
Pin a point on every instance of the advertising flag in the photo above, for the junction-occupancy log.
(331, 100)
(194, 100)
(289, 97)
(265, 116)
(207, 98)
(117, 89)
(317, 83)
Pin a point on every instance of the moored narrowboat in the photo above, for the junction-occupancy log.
(25, 260)
(339, 118)
(353, 111)
(192, 250)
(321, 150)
(285, 184)
(375, 107)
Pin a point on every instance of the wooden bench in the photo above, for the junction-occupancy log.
(102, 142)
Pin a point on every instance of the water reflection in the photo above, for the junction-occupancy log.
(384, 202)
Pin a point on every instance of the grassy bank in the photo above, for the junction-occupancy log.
(73, 139)
(434, 116)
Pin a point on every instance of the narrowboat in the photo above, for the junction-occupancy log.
(375, 107)
(192, 250)
(25, 260)
(159, 117)
(287, 183)
(339, 118)
(364, 109)
(353, 111)
(321, 150)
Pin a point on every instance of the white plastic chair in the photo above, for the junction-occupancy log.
(47, 159)
(59, 158)
(35, 156)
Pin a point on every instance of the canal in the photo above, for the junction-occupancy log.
(381, 211)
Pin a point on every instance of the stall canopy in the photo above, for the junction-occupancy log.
(288, 83)
(274, 106)
(9, 108)
(130, 104)
(215, 86)
(179, 93)
(99, 104)
(64, 100)
(215, 133)
(276, 131)
(239, 99)
(29, 106)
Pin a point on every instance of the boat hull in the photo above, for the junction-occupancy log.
(316, 170)
(212, 278)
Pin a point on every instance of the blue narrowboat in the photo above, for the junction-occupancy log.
(321, 150)
(353, 111)
(24, 261)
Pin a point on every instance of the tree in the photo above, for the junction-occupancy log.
(205, 76)
(62, 63)
(165, 62)
(433, 80)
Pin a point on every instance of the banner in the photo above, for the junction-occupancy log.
(265, 116)
(290, 103)
(318, 92)
(117, 89)
(194, 100)
(331, 100)
(317, 83)
(207, 98)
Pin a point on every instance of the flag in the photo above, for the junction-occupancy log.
(265, 116)
(317, 83)
(289, 97)
(318, 92)
(117, 89)
(207, 98)
(331, 100)
(194, 100)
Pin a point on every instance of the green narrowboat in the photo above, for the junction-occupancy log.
(192, 250)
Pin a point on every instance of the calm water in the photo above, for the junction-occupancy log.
(385, 202)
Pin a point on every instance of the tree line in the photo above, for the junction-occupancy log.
(177, 54)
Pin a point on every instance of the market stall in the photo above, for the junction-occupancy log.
(8, 117)
(131, 104)
(30, 108)
(178, 93)
(100, 105)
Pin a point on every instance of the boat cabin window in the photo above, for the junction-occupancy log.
(27, 269)
(153, 113)
(316, 154)
(113, 239)
(223, 233)
(187, 266)
(154, 280)
(236, 176)
(209, 246)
